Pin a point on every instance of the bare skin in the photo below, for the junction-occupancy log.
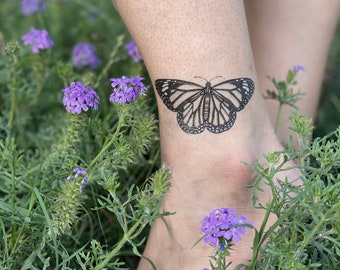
(181, 40)
(287, 33)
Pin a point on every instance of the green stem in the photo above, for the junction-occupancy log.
(256, 247)
(112, 60)
(13, 101)
(278, 118)
(107, 146)
(121, 243)
(219, 263)
(43, 20)
(264, 236)
(13, 186)
(12, 111)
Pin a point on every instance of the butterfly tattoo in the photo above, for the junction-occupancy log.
(211, 107)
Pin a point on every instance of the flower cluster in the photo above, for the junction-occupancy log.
(78, 97)
(39, 39)
(299, 68)
(125, 89)
(77, 173)
(29, 7)
(84, 54)
(222, 227)
(132, 50)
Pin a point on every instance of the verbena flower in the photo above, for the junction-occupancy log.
(79, 97)
(132, 50)
(39, 39)
(125, 89)
(79, 172)
(68, 201)
(299, 68)
(29, 7)
(84, 54)
(222, 227)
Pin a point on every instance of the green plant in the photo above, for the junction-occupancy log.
(54, 217)
(306, 231)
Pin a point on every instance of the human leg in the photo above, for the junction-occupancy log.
(181, 40)
(288, 33)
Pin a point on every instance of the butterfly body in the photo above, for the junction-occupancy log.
(206, 106)
(211, 107)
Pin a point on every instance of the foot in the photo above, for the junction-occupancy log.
(208, 173)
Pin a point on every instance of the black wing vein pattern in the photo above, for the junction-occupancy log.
(211, 107)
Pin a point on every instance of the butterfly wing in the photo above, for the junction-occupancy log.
(237, 91)
(199, 107)
(227, 98)
(186, 99)
(220, 114)
(176, 93)
(190, 116)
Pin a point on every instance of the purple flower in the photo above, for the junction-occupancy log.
(29, 7)
(132, 50)
(84, 181)
(222, 227)
(78, 171)
(299, 68)
(125, 90)
(84, 54)
(78, 97)
(39, 39)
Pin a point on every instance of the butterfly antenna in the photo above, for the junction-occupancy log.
(206, 79)
(201, 78)
(216, 78)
